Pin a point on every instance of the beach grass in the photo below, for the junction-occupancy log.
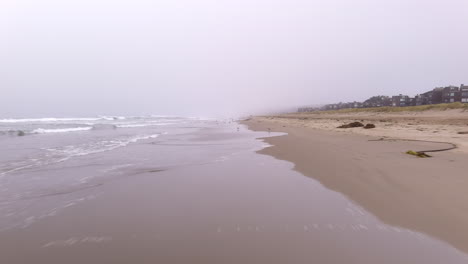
(389, 109)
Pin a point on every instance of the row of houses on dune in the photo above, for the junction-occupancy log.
(439, 95)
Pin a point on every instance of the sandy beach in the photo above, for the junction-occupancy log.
(200, 193)
(433, 125)
(371, 168)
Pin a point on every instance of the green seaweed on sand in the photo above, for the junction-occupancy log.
(418, 154)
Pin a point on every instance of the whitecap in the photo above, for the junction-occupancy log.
(45, 120)
(62, 154)
(143, 125)
(60, 130)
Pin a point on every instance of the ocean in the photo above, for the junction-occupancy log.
(45, 158)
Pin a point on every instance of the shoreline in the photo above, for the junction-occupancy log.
(424, 195)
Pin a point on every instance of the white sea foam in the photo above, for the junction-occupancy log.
(61, 119)
(46, 120)
(70, 151)
(60, 130)
(62, 154)
(110, 118)
(143, 125)
(138, 138)
(134, 125)
(77, 240)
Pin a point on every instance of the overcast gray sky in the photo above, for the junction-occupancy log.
(222, 57)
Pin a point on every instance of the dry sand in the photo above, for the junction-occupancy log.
(426, 195)
(428, 125)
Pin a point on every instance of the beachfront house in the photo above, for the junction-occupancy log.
(464, 93)
(431, 97)
(401, 100)
(435, 96)
(360, 105)
(330, 107)
(342, 105)
(420, 99)
(451, 94)
(347, 105)
(306, 109)
(351, 105)
(378, 101)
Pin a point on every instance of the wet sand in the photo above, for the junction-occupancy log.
(425, 195)
(241, 208)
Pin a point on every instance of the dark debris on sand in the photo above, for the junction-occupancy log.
(351, 125)
(357, 124)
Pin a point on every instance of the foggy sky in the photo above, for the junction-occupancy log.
(222, 57)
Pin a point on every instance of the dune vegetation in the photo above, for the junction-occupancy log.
(389, 109)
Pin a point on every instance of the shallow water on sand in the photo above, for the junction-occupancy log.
(37, 167)
(196, 196)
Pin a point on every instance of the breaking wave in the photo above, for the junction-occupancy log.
(142, 125)
(97, 147)
(52, 125)
(55, 120)
(64, 153)
(60, 130)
